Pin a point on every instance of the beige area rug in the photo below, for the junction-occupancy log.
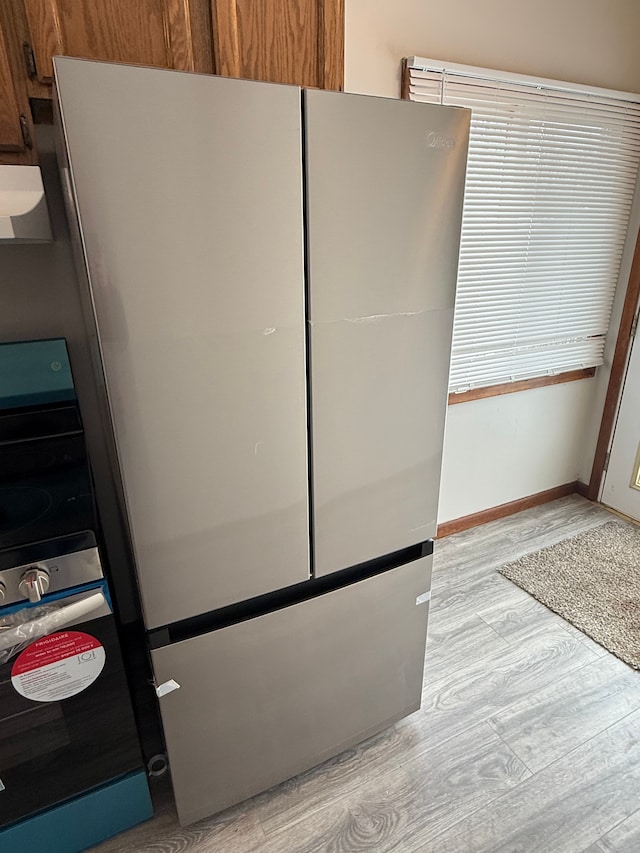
(593, 581)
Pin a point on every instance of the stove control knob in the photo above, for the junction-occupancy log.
(34, 584)
(3, 592)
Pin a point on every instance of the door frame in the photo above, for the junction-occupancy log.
(616, 377)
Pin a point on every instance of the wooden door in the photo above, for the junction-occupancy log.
(283, 41)
(164, 33)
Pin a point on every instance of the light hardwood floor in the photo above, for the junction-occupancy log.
(528, 738)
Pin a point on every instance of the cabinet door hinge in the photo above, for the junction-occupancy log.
(605, 467)
(26, 133)
(29, 60)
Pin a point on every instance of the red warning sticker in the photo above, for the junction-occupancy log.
(58, 666)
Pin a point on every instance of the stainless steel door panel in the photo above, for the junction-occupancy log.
(189, 197)
(211, 539)
(384, 204)
(265, 699)
(385, 184)
(377, 434)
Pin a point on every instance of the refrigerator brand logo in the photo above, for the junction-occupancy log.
(439, 140)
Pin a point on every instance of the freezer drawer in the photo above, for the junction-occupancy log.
(265, 699)
(385, 182)
(188, 191)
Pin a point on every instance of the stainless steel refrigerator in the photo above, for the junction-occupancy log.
(272, 278)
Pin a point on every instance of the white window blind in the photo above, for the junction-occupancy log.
(550, 181)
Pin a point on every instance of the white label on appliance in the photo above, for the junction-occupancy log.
(58, 666)
(422, 599)
(166, 687)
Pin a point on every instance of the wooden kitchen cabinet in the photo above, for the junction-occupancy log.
(283, 41)
(166, 33)
(16, 131)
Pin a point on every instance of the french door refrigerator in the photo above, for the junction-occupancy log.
(272, 279)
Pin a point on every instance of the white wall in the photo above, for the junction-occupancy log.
(504, 448)
(585, 41)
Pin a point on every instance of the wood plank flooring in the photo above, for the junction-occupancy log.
(528, 738)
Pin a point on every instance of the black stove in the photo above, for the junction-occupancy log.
(68, 743)
(45, 482)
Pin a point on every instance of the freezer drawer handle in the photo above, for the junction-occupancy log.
(422, 599)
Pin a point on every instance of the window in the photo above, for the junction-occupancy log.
(550, 181)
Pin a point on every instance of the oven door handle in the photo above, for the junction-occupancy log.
(66, 615)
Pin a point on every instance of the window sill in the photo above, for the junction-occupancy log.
(523, 385)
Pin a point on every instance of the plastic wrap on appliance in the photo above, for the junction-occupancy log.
(371, 318)
(19, 629)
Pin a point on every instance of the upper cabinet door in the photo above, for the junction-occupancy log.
(384, 206)
(15, 115)
(167, 33)
(284, 41)
(10, 132)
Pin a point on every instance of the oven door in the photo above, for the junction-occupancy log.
(66, 723)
